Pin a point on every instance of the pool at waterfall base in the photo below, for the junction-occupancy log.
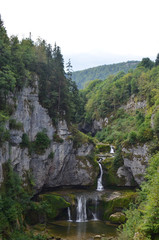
(80, 230)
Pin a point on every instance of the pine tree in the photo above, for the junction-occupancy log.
(157, 60)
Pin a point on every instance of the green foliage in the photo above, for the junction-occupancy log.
(57, 138)
(143, 218)
(49, 206)
(157, 60)
(156, 123)
(121, 202)
(25, 141)
(132, 137)
(41, 142)
(101, 72)
(19, 60)
(104, 148)
(118, 159)
(80, 138)
(16, 235)
(52, 205)
(13, 124)
(38, 146)
(147, 63)
(14, 202)
(51, 155)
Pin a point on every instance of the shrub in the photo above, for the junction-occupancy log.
(51, 155)
(41, 143)
(25, 141)
(145, 134)
(57, 138)
(156, 123)
(4, 135)
(118, 159)
(132, 138)
(13, 124)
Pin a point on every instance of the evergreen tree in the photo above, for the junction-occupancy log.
(157, 60)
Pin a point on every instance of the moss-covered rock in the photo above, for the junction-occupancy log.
(46, 209)
(110, 177)
(117, 217)
(103, 148)
(79, 138)
(118, 203)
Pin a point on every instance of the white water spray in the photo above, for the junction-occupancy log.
(81, 209)
(111, 149)
(95, 218)
(99, 182)
(69, 214)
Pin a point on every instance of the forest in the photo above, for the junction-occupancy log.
(20, 62)
(82, 78)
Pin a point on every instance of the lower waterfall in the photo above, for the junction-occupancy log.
(81, 209)
(69, 214)
(95, 213)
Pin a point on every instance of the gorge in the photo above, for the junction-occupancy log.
(70, 160)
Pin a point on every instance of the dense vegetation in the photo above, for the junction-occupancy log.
(82, 78)
(24, 62)
(108, 98)
(143, 220)
(131, 104)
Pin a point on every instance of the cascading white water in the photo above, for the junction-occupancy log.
(69, 214)
(95, 212)
(111, 149)
(99, 182)
(81, 209)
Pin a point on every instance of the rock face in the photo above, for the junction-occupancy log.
(94, 126)
(135, 162)
(133, 105)
(64, 167)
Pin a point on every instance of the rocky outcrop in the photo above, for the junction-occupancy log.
(117, 217)
(133, 105)
(64, 166)
(135, 163)
(94, 126)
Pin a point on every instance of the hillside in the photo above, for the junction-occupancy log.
(41, 148)
(101, 72)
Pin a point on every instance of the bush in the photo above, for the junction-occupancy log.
(25, 141)
(13, 124)
(118, 159)
(156, 123)
(132, 137)
(41, 143)
(51, 155)
(4, 135)
(57, 138)
(145, 134)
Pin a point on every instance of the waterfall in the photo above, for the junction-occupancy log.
(81, 209)
(111, 149)
(69, 214)
(99, 182)
(95, 212)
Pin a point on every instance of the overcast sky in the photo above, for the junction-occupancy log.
(89, 32)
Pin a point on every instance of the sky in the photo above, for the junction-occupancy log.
(89, 32)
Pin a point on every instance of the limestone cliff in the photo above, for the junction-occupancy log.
(135, 163)
(64, 167)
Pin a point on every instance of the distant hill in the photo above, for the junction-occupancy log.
(101, 72)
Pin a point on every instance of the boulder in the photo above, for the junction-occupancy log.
(117, 217)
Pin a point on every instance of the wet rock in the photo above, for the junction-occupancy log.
(97, 237)
(117, 217)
